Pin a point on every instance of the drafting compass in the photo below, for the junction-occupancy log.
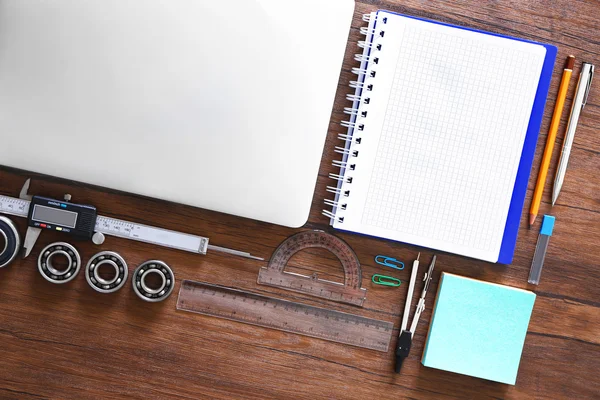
(405, 339)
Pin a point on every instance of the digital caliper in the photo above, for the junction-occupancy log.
(83, 222)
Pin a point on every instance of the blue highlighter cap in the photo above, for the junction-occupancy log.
(547, 225)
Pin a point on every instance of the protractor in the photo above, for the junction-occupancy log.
(350, 292)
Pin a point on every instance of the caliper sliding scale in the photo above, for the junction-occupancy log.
(83, 222)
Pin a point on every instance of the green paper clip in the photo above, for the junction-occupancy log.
(386, 280)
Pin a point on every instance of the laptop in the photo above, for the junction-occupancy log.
(218, 105)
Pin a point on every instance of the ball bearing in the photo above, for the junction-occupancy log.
(49, 270)
(113, 260)
(9, 235)
(147, 292)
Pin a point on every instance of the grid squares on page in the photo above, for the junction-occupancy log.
(451, 140)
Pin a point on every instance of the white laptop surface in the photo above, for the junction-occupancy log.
(219, 105)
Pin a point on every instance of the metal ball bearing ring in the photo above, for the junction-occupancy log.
(164, 273)
(111, 259)
(49, 270)
(12, 241)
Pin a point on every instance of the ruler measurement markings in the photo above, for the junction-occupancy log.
(241, 306)
(152, 235)
(12, 206)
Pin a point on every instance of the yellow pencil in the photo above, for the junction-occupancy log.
(558, 109)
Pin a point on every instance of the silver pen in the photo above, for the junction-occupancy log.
(581, 96)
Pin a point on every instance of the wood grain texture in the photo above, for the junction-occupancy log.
(70, 342)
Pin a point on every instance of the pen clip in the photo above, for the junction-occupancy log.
(589, 84)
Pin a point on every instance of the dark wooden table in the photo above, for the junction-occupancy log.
(71, 342)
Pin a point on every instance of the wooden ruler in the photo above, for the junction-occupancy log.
(268, 312)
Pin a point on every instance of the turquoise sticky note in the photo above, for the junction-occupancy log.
(478, 328)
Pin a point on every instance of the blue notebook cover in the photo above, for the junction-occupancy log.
(509, 240)
(478, 328)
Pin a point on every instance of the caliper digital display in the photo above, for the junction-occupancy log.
(54, 216)
(76, 219)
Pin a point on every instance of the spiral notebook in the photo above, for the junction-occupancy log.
(441, 136)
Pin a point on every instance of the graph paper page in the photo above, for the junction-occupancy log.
(447, 118)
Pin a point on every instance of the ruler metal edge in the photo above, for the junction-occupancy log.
(133, 231)
(387, 327)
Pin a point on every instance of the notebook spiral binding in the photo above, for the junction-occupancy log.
(350, 149)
